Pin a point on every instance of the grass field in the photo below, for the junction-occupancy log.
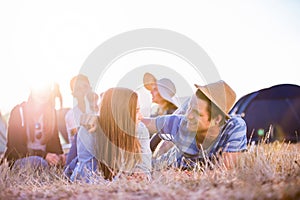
(266, 171)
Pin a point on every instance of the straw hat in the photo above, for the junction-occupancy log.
(165, 86)
(221, 94)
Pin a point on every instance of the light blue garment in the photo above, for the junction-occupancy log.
(86, 166)
(86, 162)
(144, 139)
(232, 138)
(35, 162)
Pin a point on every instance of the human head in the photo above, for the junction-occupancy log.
(209, 106)
(41, 94)
(119, 106)
(220, 94)
(42, 99)
(80, 86)
(118, 146)
(162, 90)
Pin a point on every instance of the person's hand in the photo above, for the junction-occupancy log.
(53, 159)
(62, 159)
(89, 121)
(74, 131)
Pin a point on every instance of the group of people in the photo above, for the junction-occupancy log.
(111, 138)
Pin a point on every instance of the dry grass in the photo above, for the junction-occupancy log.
(266, 171)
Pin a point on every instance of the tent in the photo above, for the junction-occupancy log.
(271, 113)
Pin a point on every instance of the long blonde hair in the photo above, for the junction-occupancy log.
(117, 147)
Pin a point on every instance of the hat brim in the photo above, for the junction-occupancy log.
(166, 96)
(208, 95)
(149, 80)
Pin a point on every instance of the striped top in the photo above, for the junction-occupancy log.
(232, 137)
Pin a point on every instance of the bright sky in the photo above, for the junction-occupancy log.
(253, 44)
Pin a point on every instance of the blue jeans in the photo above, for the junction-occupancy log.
(73, 151)
(32, 161)
(71, 158)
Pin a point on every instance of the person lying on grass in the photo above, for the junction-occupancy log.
(119, 145)
(205, 131)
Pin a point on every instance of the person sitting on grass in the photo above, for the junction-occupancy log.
(119, 145)
(163, 93)
(86, 102)
(164, 102)
(205, 131)
(32, 137)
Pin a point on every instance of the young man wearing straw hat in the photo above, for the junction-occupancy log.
(205, 131)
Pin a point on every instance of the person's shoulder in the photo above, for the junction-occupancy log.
(72, 112)
(235, 127)
(17, 113)
(141, 125)
(18, 107)
(236, 120)
(69, 114)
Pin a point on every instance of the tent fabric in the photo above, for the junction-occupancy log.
(277, 107)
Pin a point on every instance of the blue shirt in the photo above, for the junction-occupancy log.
(232, 137)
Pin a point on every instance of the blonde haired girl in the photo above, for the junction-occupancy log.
(120, 145)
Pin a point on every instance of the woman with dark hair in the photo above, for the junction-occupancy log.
(32, 136)
(120, 145)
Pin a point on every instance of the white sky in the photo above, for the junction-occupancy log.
(253, 44)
